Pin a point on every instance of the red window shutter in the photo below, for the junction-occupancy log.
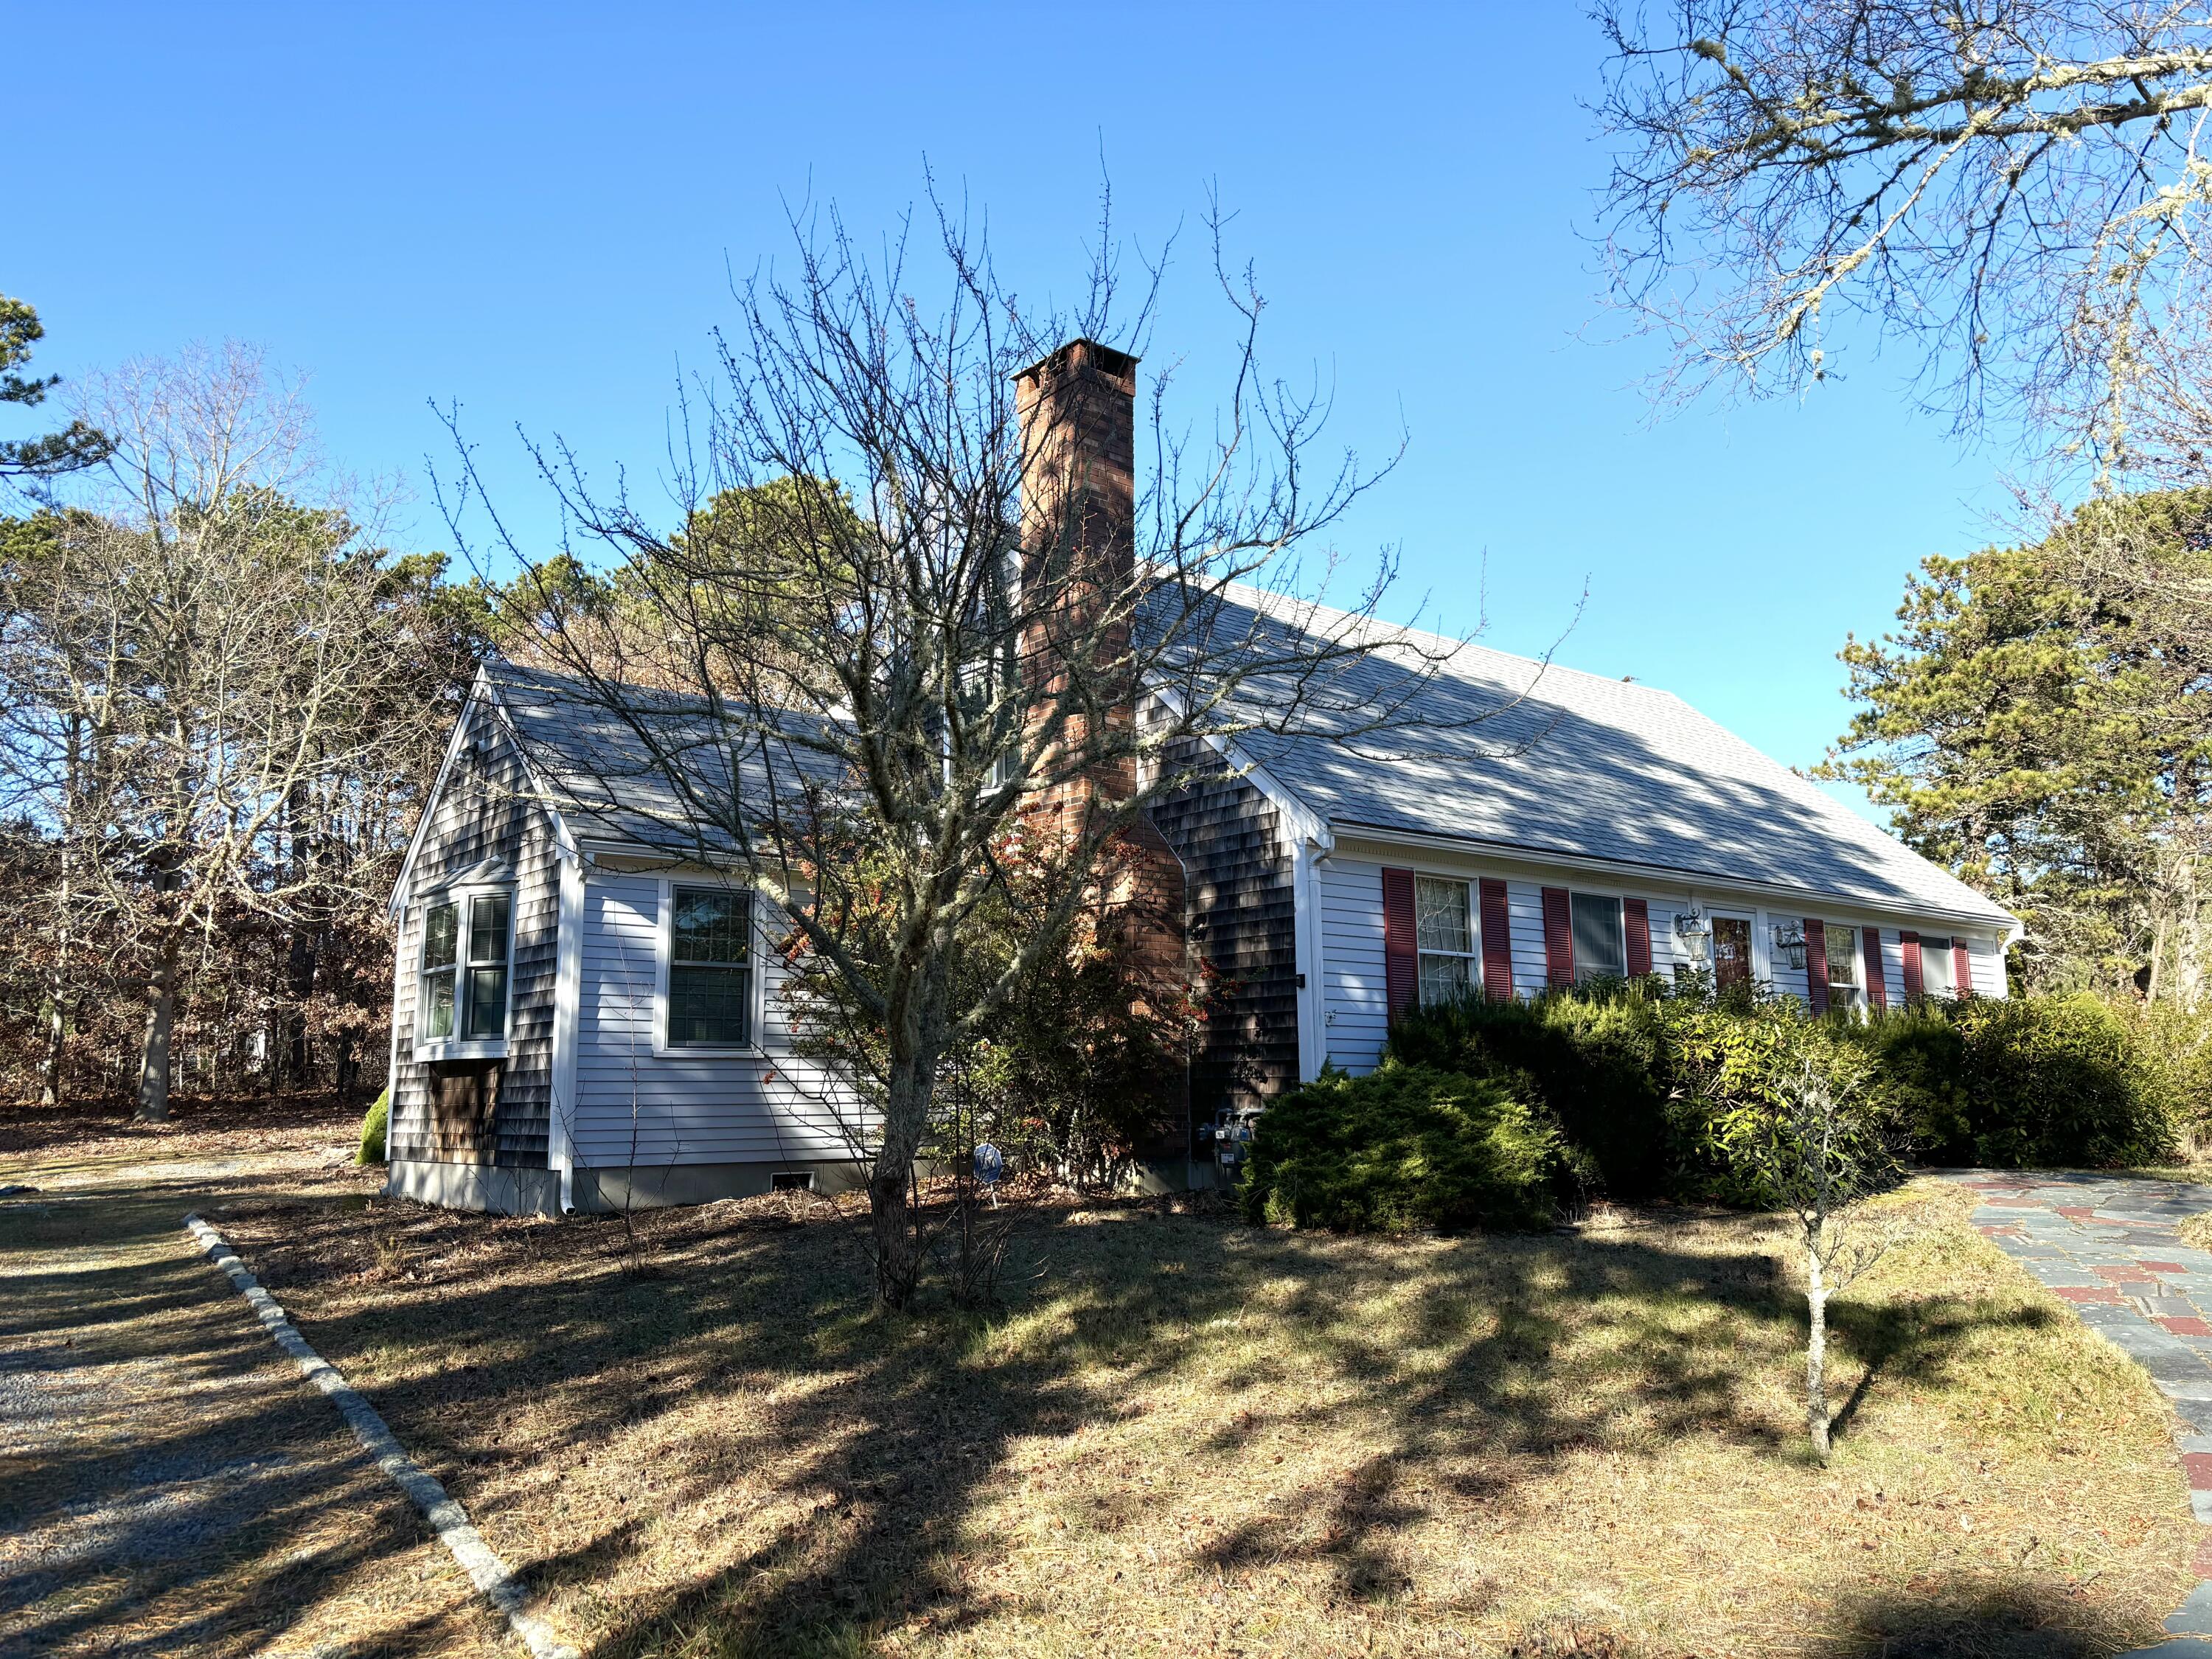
(1558, 937)
(1877, 990)
(1635, 922)
(1913, 979)
(1496, 941)
(1401, 962)
(1962, 969)
(1816, 963)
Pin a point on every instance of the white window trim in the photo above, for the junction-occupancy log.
(1472, 897)
(756, 977)
(1934, 962)
(1860, 1004)
(1620, 902)
(438, 1048)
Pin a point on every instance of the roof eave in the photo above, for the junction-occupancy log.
(1894, 906)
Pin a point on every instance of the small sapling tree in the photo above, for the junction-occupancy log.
(1821, 1149)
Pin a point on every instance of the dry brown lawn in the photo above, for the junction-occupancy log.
(1181, 1435)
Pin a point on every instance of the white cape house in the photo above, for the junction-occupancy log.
(585, 1007)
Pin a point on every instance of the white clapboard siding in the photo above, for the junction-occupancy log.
(1524, 907)
(1986, 961)
(1357, 1015)
(1356, 1008)
(1785, 979)
(1892, 965)
(636, 1107)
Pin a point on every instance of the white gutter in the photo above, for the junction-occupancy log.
(1667, 876)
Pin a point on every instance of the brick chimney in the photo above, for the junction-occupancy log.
(1077, 411)
(1079, 550)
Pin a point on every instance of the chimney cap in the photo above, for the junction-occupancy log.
(1121, 365)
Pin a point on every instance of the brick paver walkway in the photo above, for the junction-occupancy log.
(2109, 1245)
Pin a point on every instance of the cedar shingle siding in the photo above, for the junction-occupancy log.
(484, 811)
(1243, 921)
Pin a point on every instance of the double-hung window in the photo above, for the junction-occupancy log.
(1936, 979)
(465, 944)
(1445, 932)
(1601, 951)
(1845, 990)
(710, 970)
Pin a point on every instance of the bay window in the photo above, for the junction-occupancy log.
(466, 943)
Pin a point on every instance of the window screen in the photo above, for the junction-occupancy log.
(1598, 951)
(709, 968)
(1936, 975)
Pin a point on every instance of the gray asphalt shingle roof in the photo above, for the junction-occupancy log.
(1507, 751)
(1495, 751)
(609, 783)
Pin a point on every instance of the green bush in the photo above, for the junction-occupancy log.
(2177, 1042)
(1596, 1057)
(2057, 1080)
(1408, 1146)
(1919, 1059)
(373, 1128)
(1658, 1088)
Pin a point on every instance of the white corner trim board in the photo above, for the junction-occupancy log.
(446, 1518)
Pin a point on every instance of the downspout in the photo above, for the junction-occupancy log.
(392, 1065)
(1306, 935)
(567, 1002)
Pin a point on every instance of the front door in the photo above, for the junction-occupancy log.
(1731, 952)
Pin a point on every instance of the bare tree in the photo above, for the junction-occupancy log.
(185, 653)
(2018, 187)
(1821, 1152)
(915, 605)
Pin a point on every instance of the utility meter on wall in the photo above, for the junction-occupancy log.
(1232, 1134)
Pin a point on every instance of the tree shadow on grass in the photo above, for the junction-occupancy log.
(1910, 1340)
(893, 1435)
(167, 1483)
(2011, 1620)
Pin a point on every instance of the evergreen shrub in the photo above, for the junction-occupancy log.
(1409, 1147)
(373, 1128)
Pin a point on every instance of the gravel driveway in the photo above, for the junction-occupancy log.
(168, 1484)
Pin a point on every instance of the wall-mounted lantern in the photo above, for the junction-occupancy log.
(1790, 941)
(1693, 935)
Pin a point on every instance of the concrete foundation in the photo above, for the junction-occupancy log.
(646, 1187)
(473, 1187)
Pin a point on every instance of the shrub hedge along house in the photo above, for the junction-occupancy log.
(581, 1021)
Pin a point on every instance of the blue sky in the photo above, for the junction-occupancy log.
(533, 211)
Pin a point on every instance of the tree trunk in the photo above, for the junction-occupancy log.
(160, 1021)
(50, 1069)
(1816, 1355)
(890, 1182)
(49, 1066)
